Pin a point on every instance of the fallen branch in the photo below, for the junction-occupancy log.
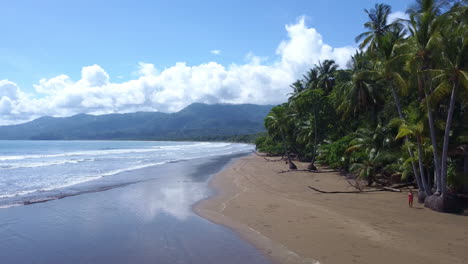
(391, 189)
(264, 156)
(356, 185)
(273, 160)
(402, 185)
(320, 191)
(284, 171)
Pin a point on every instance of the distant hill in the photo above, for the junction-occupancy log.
(196, 121)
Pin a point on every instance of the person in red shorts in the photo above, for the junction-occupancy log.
(410, 198)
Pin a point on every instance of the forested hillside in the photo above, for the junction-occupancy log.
(196, 121)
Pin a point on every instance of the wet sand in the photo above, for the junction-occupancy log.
(150, 221)
(291, 223)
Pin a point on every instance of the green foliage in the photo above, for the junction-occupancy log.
(391, 111)
(334, 153)
(269, 146)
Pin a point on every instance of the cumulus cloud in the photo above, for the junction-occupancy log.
(8, 90)
(257, 81)
(215, 52)
(94, 76)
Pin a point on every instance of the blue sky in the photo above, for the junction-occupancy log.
(46, 39)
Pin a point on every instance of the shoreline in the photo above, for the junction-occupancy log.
(289, 223)
(146, 222)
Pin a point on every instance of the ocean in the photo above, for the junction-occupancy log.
(37, 171)
(114, 202)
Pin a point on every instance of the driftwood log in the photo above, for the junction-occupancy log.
(377, 190)
(284, 171)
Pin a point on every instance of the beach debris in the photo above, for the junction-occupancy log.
(358, 191)
(292, 166)
(285, 171)
(312, 167)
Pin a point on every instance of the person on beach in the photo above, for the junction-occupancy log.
(410, 198)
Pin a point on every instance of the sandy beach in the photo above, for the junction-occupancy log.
(291, 223)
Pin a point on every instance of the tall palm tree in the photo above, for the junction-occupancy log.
(424, 28)
(377, 25)
(388, 68)
(360, 93)
(298, 87)
(311, 78)
(326, 75)
(453, 73)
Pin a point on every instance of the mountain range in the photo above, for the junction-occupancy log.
(197, 121)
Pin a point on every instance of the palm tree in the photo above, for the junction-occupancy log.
(371, 143)
(424, 27)
(278, 124)
(360, 93)
(298, 87)
(326, 75)
(377, 26)
(311, 78)
(413, 126)
(388, 67)
(453, 74)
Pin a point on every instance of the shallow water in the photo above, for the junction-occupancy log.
(36, 171)
(149, 221)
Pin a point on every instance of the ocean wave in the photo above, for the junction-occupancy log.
(83, 179)
(39, 193)
(111, 151)
(42, 164)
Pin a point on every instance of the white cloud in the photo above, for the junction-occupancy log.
(256, 81)
(53, 85)
(215, 52)
(94, 76)
(5, 105)
(8, 89)
(146, 69)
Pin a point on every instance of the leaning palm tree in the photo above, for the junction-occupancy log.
(377, 25)
(392, 56)
(424, 29)
(453, 73)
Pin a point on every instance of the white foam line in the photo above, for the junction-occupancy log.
(40, 164)
(84, 179)
(111, 151)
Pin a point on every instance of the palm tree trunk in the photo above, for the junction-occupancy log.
(421, 167)
(433, 141)
(434, 146)
(311, 165)
(448, 126)
(410, 152)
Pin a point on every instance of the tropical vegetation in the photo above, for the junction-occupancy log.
(398, 109)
